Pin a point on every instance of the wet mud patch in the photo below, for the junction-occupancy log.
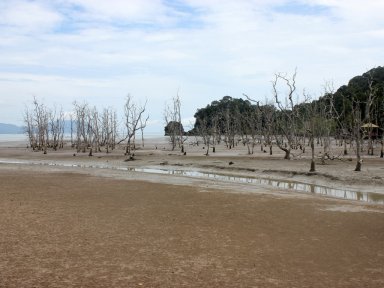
(351, 209)
(299, 173)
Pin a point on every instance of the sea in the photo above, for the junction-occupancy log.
(13, 137)
(22, 138)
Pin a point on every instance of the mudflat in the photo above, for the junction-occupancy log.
(71, 220)
(64, 229)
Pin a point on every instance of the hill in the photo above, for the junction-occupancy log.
(10, 129)
(363, 93)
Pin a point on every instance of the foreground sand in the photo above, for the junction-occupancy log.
(73, 230)
(64, 226)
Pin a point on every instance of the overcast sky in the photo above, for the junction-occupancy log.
(99, 51)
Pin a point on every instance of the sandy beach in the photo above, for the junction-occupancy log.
(100, 221)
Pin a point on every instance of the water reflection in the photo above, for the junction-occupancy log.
(371, 197)
(290, 185)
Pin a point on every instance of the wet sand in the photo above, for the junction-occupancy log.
(67, 226)
(74, 230)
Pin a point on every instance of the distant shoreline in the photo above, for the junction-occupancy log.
(12, 136)
(7, 137)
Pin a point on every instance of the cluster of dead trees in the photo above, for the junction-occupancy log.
(292, 121)
(44, 127)
(91, 130)
(289, 120)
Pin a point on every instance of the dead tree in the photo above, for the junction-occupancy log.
(327, 117)
(96, 129)
(356, 122)
(56, 128)
(133, 114)
(268, 118)
(37, 125)
(142, 127)
(108, 129)
(44, 127)
(285, 133)
(339, 118)
(81, 120)
(265, 115)
(231, 124)
(41, 119)
(30, 128)
(311, 120)
(251, 125)
(215, 129)
(174, 127)
(205, 132)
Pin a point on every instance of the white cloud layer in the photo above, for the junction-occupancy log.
(99, 51)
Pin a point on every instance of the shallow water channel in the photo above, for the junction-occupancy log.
(283, 184)
(370, 197)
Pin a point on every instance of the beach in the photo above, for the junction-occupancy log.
(71, 220)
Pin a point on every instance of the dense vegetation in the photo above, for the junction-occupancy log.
(366, 91)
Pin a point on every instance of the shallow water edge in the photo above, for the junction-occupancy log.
(285, 185)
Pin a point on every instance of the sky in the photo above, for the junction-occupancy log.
(99, 51)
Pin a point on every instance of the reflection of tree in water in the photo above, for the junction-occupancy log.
(376, 197)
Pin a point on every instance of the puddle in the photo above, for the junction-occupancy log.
(369, 197)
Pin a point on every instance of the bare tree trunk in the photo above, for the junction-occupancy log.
(358, 157)
(357, 124)
(287, 154)
(313, 167)
(207, 142)
(345, 147)
(142, 126)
